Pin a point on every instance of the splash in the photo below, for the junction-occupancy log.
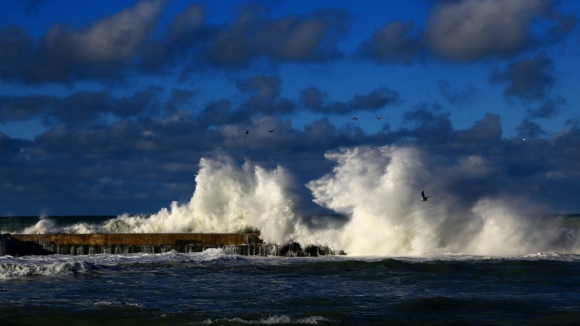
(227, 199)
(378, 189)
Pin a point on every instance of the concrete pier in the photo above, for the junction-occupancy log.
(116, 243)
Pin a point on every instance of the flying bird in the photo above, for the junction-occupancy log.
(247, 132)
(379, 118)
(308, 128)
(355, 119)
(271, 130)
(423, 197)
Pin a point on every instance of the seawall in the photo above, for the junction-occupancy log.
(116, 243)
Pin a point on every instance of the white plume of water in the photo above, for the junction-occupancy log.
(226, 199)
(378, 189)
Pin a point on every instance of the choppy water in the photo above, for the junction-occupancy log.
(214, 288)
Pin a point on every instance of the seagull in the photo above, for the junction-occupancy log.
(247, 132)
(423, 197)
(354, 119)
(379, 118)
(271, 130)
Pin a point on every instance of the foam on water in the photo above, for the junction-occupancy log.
(10, 268)
(314, 320)
(377, 188)
(16, 267)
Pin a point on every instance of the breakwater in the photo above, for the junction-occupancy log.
(248, 244)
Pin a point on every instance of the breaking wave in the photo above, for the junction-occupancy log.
(377, 189)
(10, 269)
(226, 199)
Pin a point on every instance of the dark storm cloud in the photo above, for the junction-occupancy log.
(65, 53)
(219, 112)
(20, 108)
(529, 79)
(116, 45)
(10, 146)
(186, 24)
(264, 96)
(260, 96)
(316, 101)
(251, 37)
(80, 107)
(455, 96)
(435, 131)
(487, 130)
(395, 43)
(529, 129)
(426, 124)
(123, 137)
(16, 52)
(548, 108)
(180, 99)
(108, 166)
(476, 29)
(141, 103)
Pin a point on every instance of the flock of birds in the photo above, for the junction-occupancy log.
(423, 197)
(247, 132)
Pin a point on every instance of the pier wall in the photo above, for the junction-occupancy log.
(116, 243)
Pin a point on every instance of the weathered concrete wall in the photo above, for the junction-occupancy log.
(108, 243)
(139, 239)
(85, 244)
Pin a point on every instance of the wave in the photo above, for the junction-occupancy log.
(10, 270)
(227, 199)
(378, 189)
(54, 265)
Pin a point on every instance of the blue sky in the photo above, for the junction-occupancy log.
(88, 87)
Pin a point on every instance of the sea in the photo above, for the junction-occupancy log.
(472, 254)
(215, 288)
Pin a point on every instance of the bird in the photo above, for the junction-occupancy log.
(354, 119)
(271, 130)
(423, 197)
(247, 132)
(308, 128)
(379, 118)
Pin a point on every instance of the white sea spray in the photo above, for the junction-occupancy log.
(377, 188)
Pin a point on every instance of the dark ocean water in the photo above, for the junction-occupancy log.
(218, 289)
(213, 288)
